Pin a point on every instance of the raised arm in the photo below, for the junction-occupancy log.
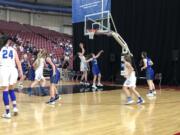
(99, 54)
(82, 49)
(90, 59)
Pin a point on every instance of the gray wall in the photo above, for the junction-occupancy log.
(59, 22)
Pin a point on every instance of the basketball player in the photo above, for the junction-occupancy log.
(95, 69)
(130, 82)
(65, 66)
(83, 65)
(147, 65)
(25, 67)
(31, 75)
(39, 67)
(54, 79)
(8, 72)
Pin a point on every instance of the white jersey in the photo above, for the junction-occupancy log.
(39, 71)
(8, 71)
(41, 64)
(7, 57)
(83, 65)
(83, 60)
(130, 80)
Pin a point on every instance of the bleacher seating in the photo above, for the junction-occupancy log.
(39, 37)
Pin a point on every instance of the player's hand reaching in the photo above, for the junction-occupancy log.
(81, 45)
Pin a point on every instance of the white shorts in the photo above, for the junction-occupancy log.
(130, 81)
(39, 75)
(8, 76)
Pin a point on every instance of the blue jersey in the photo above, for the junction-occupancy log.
(31, 72)
(149, 70)
(94, 62)
(50, 67)
(25, 66)
(54, 78)
(95, 67)
(148, 63)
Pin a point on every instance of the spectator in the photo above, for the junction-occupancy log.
(21, 48)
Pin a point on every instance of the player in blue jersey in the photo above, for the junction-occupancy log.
(147, 65)
(95, 69)
(31, 72)
(9, 74)
(54, 79)
(25, 68)
(31, 75)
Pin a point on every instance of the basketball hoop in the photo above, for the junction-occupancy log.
(91, 33)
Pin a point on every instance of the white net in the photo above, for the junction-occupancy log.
(91, 35)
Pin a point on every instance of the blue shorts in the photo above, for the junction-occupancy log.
(150, 74)
(31, 74)
(95, 70)
(55, 79)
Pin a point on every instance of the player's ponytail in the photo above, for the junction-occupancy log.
(144, 54)
(42, 54)
(37, 61)
(3, 40)
(128, 58)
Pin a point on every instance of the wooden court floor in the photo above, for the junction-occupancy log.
(95, 113)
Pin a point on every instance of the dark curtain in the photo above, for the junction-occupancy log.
(146, 25)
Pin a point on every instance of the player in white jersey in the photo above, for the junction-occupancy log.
(39, 78)
(83, 65)
(8, 76)
(130, 82)
(39, 67)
